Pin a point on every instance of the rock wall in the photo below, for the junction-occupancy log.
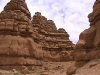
(89, 40)
(55, 43)
(17, 47)
(26, 42)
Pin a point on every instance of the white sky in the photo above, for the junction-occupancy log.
(68, 14)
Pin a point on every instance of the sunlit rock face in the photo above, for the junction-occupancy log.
(55, 43)
(26, 42)
(89, 39)
(17, 47)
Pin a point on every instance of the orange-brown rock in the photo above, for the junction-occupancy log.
(89, 39)
(71, 70)
(17, 47)
(18, 5)
(42, 22)
(55, 43)
(25, 43)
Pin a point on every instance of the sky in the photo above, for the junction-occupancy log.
(68, 14)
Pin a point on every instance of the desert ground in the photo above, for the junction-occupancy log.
(60, 68)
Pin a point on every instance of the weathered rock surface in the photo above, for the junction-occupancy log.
(71, 70)
(17, 47)
(25, 43)
(55, 43)
(89, 39)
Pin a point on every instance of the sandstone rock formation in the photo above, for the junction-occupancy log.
(17, 48)
(55, 43)
(89, 40)
(25, 43)
(71, 70)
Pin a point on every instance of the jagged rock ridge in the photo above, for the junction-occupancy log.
(26, 42)
(55, 43)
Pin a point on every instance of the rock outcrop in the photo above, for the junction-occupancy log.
(17, 47)
(71, 70)
(89, 40)
(25, 43)
(55, 43)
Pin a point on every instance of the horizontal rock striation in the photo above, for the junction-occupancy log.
(55, 43)
(26, 42)
(17, 47)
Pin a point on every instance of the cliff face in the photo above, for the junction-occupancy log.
(89, 40)
(17, 47)
(55, 43)
(95, 21)
(26, 42)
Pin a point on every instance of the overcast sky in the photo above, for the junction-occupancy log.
(68, 14)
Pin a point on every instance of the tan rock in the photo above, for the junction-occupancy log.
(25, 70)
(81, 44)
(97, 37)
(2, 25)
(26, 42)
(53, 41)
(88, 36)
(71, 70)
(79, 55)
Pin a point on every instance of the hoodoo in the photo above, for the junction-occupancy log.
(55, 43)
(26, 42)
(88, 46)
(17, 48)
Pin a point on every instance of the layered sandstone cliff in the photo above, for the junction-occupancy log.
(17, 48)
(55, 43)
(25, 43)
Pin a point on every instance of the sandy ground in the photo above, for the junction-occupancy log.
(60, 68)
(53, 68)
